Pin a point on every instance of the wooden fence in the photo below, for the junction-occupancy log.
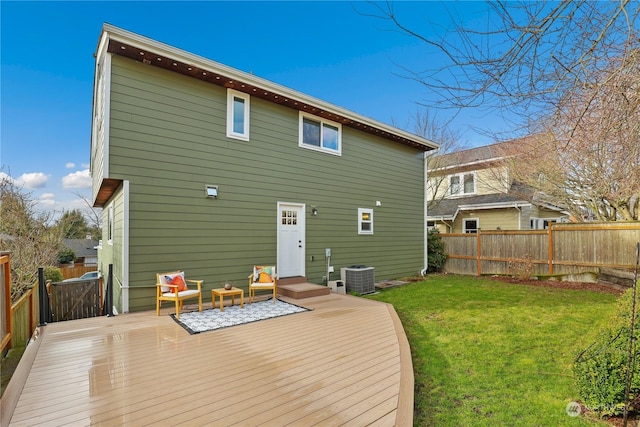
(562, 249)
(20, 318)
(5, 302)
(77, 270)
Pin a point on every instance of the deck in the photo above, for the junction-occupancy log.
(347, 362)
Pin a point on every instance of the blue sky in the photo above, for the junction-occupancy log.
(330, 50)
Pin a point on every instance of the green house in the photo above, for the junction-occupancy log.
(211, 170)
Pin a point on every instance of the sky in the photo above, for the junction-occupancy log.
(332, 50)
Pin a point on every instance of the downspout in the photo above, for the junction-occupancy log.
(423, 272)
(519, 216)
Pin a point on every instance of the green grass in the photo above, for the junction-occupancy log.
(488, 353)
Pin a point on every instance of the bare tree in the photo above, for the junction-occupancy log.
(590, 160)
(26, 233)
(566, 70)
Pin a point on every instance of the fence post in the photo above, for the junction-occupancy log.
(550, 248)
(108, 299)
(479, 253)
(43, 298)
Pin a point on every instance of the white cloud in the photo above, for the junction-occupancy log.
(32, 180)
(70, 165)
(85, 165)
(80, 179)
(47, 199)
(4, 176)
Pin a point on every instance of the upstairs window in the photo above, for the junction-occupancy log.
(460, 185)
(237, 115)
(365, 221)
(319, 134)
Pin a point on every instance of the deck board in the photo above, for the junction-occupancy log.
(340, 364)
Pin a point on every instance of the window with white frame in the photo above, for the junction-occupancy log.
(470, 225)
(110, 224)
(238, 115)
(365, 221)
(320, 134)
(462, 184)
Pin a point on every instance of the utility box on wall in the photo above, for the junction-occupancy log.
(359, 278)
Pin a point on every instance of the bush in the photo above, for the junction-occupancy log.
(436, 255)
(66, 256)
(53, 273)
(601, 368)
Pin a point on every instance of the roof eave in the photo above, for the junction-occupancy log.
(178, 60)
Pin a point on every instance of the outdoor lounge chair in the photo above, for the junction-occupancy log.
(263, 278)
(174, 287)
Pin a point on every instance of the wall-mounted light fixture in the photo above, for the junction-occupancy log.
(212, 191)
(314, 211)
(378, 203)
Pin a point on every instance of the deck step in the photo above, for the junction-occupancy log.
(303, 290)
(291, 280)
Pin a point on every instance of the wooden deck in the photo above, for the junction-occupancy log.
(347, 362)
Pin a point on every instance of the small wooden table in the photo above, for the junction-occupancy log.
(222, 292)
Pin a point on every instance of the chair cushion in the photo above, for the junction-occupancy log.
(178, 279)
(168, 279)
(263, 274)
(181, 294)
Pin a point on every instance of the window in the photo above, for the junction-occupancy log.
(237, 115)
(541, 223)
(462, 184)
(470, 225)
(110, 224)
(319, 134)
(365, 221)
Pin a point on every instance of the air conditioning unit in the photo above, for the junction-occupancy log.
(359, 278)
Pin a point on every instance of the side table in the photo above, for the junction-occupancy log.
(222, 292)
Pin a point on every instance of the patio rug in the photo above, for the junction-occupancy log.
(209, 320)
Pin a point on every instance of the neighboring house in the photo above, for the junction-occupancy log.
(86, 250)
(209, 169)
(472, 189)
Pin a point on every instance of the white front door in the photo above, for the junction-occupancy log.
(291, 241)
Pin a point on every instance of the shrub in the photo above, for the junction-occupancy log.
(601, 368)
(53, 273)
(436, 255)
(66, 256)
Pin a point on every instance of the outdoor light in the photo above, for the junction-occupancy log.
(212, 191)
(314, 211)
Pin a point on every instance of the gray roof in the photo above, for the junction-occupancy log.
(83, 248)
(447, 208)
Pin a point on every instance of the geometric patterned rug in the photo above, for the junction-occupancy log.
(211, 319)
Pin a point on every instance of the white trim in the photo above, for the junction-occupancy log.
(361, 221)
(322, 122)
(115, 33)
(125, 246)
(232, 95)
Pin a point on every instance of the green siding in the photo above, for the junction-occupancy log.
(168, 138)
(112, 253)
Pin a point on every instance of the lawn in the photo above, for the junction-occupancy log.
(489, 353)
